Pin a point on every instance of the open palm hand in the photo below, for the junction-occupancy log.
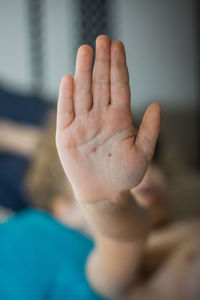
(100, 150)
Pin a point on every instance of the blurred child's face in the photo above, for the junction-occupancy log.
(152, 187)
(151, 194)
(70, 214)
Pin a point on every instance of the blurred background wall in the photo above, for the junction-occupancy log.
(38, 44)
(39, 39)
(36, 36)
(159, 35)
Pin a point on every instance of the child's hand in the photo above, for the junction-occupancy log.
(100, 150)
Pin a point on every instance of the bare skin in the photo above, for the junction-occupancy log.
(171, 264)
(104, 157)
(96, 115)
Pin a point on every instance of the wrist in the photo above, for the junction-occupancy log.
(99, 195)
(118, 218)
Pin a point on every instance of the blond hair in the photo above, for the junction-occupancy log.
(45, 178)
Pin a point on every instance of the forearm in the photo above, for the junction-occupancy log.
(120, 234)
(119, 218)
(112, 267)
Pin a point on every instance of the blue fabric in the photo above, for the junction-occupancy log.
(28, 110)
(42, 259)
(23, 108)
(12, 171)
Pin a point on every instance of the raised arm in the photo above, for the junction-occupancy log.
(104, 157)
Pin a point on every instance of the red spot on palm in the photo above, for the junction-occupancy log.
(94, 150)
(109, 154)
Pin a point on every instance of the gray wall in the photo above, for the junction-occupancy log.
(159, 36)
(59, 34)
(161, 50)
(14, 62)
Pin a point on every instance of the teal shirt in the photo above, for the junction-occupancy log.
(42, 259)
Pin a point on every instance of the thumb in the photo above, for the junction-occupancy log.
(149, 130)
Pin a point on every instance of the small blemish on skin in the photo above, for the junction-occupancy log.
(109, 154)
(94, 150)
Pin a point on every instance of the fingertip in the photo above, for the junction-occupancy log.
(85, 49)
(118, 52)
(65, 109)
(153, 113)
(117, 44)
(103, 43)
(102, 51)
(66, 78)
(103, 37)
(66, 83)
(156, 107)
(83, 59)
(149, 130)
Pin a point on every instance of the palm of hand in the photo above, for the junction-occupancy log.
(97, 143)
